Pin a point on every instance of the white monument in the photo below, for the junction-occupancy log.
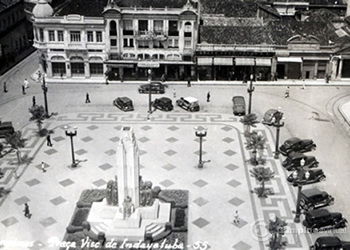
(120, 215)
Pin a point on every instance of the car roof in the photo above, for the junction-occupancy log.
(318, 213)
(330, 240)
(293, 139)
(125, 99)
(311, 192)
(164, 99)
(238, 97)
(190, 99)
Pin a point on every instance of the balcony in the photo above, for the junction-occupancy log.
(146, 35)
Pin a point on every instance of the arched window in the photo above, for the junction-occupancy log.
(112, 28)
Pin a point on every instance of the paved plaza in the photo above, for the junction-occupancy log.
(169, 152)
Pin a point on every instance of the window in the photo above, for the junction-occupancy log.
(58, 68)
(143, 25)
(99, 36)
(112, 28)
(90, 36)
(128, 28)
(173, 43)
(187, 43)
(143, 44)
(77, 68)
(96, 68)
(41, 34)
(113, 42)
(158, 26)
(51, 35)
(128, 42)
(75, 36)
(60, 35)
(173, 28)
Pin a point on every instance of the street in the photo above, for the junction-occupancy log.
(311, 113)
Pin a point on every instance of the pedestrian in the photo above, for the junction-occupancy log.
(245, 78)
(327, 78)
(34, 101)
(189, 81)
(26, 211)
(48, 140)
(5, 87)
(25, 83)
(174, 93)
(236, 218)
(208, 96)
(87, 100)
(286, 94)
(43, 167)
(303, 87)
(23, 90)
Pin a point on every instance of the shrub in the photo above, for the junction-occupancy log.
(179, 218)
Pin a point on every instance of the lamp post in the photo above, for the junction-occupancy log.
(71, 134)
(200, 133)
(250, 91)
(278, 124)
(298, 178)
(44, 88)
(149, 91)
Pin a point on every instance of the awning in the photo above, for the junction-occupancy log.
(263, 61)
(289, 59)
(245, 61)
(223, 61)
(205, 61)
(313, 58)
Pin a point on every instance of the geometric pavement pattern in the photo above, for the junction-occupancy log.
(169, 157)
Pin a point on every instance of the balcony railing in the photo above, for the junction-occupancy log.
(150, 35)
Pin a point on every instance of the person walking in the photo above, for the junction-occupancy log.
(26, 211)
(5, 87)
(87, 100)
(23, 89)
(189, 81)
(174, 93)
(236, 218)
(286, 94)
(43, 167)
(48, 140)
(34, 101)
(208, 96)
(25, 83)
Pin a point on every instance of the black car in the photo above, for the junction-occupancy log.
(238, 105)
(188, 103)
(163, 103)
(155, 87)
(315, 175)
(323, 219)
(297, 145)
(6, 128)
(293, 161)
(124, 103)
(330, 243)
(314, 198)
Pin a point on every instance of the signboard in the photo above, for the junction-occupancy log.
(148, 65)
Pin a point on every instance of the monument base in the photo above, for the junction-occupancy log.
(109, 219)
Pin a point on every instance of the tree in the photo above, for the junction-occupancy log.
(277, 229)
(262, 175)
(249, 120)
(15, 142)
(255, 142)
(38, 116)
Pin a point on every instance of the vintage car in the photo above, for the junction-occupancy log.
(154, 87)
(238, 105)
(315, 175)
(272, 116)
(124, 103)
(314, 198)
(323, 219)
(6, 128)
(295, 144)
(188, 103)
(163, 103)
(330, 243)
(293, 161)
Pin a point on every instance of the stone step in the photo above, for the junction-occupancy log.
(155, 229)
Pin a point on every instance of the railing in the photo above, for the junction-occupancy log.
(243, 47)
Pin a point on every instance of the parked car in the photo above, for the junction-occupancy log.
(323, 219)
(163, 103)
(295, 144)
(316, 175)
(314, 198)
(188, 103)
(292, 161)
(271, 116)
(124, 103)
(238, 105)
(330, 243)
(6, 128)
(155, 87)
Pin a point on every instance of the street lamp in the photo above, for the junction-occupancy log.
(201, 132)
(44, 88)
(300, 177)
(71, 134)
(250, 90)
(149, 92)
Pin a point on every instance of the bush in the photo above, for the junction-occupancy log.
(79, 217)
(179, 218)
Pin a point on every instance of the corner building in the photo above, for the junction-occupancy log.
(116, 40)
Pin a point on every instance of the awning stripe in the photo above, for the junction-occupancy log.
(205, 60)
(263, 61)
(244, 61)
(289, 59)
(223, 61)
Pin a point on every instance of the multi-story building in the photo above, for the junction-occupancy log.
(115, 39)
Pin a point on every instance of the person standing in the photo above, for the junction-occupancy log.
(5, 87)
(48, 140)
(25, 83)
(23, 89)
(26, 211)
(208, 96)
(87, 100)
(43, 167)
(174, 93)
(286, 94)
(34, 101)
(189, 81)
(236, 218)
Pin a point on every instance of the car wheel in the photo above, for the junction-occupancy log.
(323, 178)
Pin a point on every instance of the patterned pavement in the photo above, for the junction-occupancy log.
(169, 153)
